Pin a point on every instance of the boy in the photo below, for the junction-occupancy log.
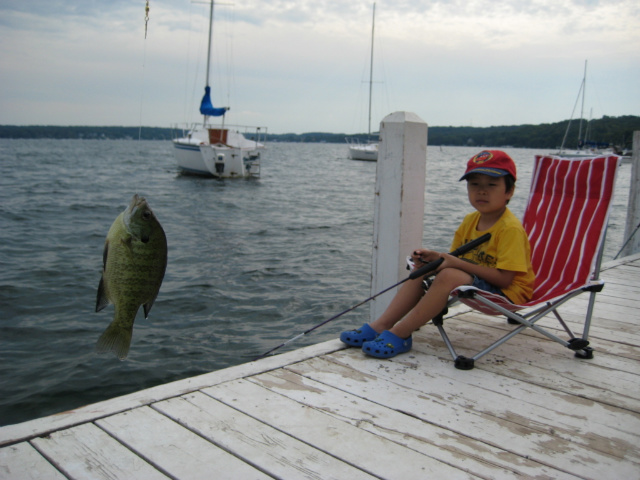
(501, 266)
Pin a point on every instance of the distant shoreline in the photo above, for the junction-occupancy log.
(605, 131)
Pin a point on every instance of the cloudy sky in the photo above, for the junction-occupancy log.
(302, 65)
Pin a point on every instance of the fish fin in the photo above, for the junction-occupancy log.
(147, 307)
(105, 253)
(101, 299)
(116, 339)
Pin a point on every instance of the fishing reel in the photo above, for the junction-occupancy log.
(427, 280)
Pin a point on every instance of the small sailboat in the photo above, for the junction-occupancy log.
(367, 151)
(585, 147)
(220, 151)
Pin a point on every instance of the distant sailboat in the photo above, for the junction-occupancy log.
(584, 147)
(367, 151)
(218, 151)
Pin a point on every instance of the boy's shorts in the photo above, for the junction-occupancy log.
(477, 282)
(487, 287)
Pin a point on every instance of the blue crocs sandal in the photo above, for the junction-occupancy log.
(387, 345)
(355, 338)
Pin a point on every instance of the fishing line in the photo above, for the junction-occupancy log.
(144, 61)
(420, 272)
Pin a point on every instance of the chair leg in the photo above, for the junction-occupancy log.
(577, 344)
(459, 361)
(438, 322)
(586, 353)
(439, 319)
(464, 363)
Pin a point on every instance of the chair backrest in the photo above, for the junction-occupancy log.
(566, 220)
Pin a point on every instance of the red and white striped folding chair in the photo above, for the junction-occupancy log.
(566, 220)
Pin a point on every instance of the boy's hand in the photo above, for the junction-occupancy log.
(422, 256)
(450, 261)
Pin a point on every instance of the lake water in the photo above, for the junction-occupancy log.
(252, 263)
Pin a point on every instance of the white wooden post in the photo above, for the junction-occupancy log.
(399, 202)
(633, 211)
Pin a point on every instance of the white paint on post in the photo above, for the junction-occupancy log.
(399, 202)
(633, 212)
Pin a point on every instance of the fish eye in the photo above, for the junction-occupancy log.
(146, 215)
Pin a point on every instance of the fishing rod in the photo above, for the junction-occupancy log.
(422, 271)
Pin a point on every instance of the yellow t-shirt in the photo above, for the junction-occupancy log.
(508, 249)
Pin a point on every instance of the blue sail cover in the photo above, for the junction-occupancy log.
(207, 108)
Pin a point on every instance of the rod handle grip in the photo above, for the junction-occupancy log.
(431, 266)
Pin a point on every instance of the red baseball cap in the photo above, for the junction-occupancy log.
(494, 163)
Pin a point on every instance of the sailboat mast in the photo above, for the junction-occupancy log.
(209, 45)
(373, 23)
(584, 87)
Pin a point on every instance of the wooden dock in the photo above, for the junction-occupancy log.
(528, 410)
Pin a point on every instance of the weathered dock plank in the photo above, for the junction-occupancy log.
(174, 449)
(258, 443)
(85, 451)
(531, 357)
(25, 462)
(428, 388)
(441, 443)
(340, 439)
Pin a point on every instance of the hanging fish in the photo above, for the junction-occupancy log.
(134, 262)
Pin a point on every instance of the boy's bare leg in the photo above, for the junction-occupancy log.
(407, 297)
(431, 304)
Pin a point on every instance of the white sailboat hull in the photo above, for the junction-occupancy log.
(368, 152)
(237, 157)
(189, 158)
(582, 153)
(223, 162)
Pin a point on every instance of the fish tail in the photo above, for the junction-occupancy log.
(116, 339)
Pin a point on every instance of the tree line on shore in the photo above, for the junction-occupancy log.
(616, 131)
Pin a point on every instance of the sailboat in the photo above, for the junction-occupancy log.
(218, 151)
(584, 148)
(367, 151)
